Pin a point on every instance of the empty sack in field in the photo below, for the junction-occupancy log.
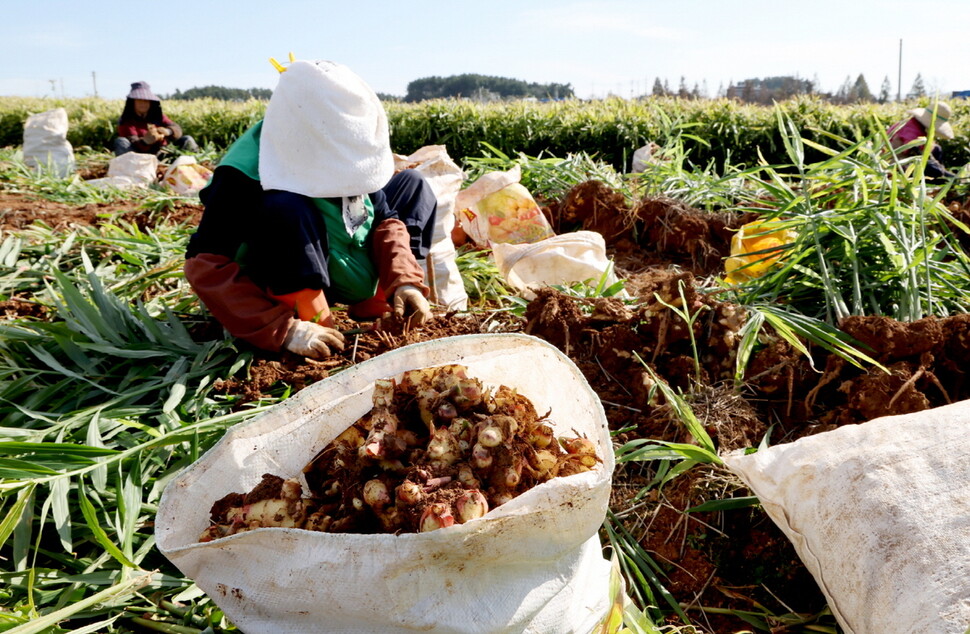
(131, 169)
(497, 208)
(186, 177)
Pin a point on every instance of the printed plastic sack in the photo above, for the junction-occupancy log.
(562, 259)
(445, 178)
(497, 208)
(755, 248)
(186, 177)
(880, 515)
(131, 169)
(46, 144)
(533, 564)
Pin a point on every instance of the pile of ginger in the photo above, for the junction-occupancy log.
(436, 449)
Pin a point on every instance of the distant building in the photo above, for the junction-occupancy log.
(961, 94)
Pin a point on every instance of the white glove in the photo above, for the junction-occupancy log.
(313, 340)
(409, 300)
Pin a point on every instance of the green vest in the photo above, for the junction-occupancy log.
(353, 276)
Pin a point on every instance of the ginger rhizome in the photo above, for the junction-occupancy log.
(436, 449)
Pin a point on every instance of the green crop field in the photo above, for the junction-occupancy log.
(721, 132)
(112, 379)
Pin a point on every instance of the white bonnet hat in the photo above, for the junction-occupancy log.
(943, 114)
(325, 134)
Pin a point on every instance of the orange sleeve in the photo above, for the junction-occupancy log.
(239, 304)
(396, 265)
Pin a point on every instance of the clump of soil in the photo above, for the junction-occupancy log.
(658, 230)
(15, 308)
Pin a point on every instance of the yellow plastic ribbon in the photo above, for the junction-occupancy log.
(279, 67)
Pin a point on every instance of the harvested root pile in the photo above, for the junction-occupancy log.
(435, 449)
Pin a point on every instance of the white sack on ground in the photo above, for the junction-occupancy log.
(131, 169)
(445, 178)
(534, 564)
(642, 158)
(141, 169)
(563, 259)
(880, 515)
(45, 142)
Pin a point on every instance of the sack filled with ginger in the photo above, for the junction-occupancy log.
(519, 559)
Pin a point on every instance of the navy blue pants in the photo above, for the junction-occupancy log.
(934, 166)
(285, 234)
(122, 145)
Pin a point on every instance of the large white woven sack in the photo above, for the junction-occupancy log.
(46, 144)
(534, 564)
(880, 515)
(131, 169)
(564, 259)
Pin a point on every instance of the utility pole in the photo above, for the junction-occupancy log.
(899, 76)
(94, 80)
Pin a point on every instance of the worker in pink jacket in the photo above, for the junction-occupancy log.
(916, 127)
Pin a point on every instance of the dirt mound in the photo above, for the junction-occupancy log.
(658, 230)
(15, 308)
(926, 360)
(18, 212)
(270, 370)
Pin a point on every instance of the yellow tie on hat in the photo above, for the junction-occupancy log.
(279, 67)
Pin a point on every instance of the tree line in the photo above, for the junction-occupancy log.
(220, 92)
(471, 86)
(485, 88)
(768, 90)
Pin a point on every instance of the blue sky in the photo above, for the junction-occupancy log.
(52, 47)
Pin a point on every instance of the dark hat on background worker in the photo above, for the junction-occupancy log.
(925, 116)
(141, 90)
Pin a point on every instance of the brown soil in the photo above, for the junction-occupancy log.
(16, 308)
(736, 559)
(18, 212)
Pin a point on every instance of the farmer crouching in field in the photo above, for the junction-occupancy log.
(144, 129)
(917, 126)
(305, 210)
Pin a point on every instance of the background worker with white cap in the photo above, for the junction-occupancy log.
(917, 126)
(304, 211)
